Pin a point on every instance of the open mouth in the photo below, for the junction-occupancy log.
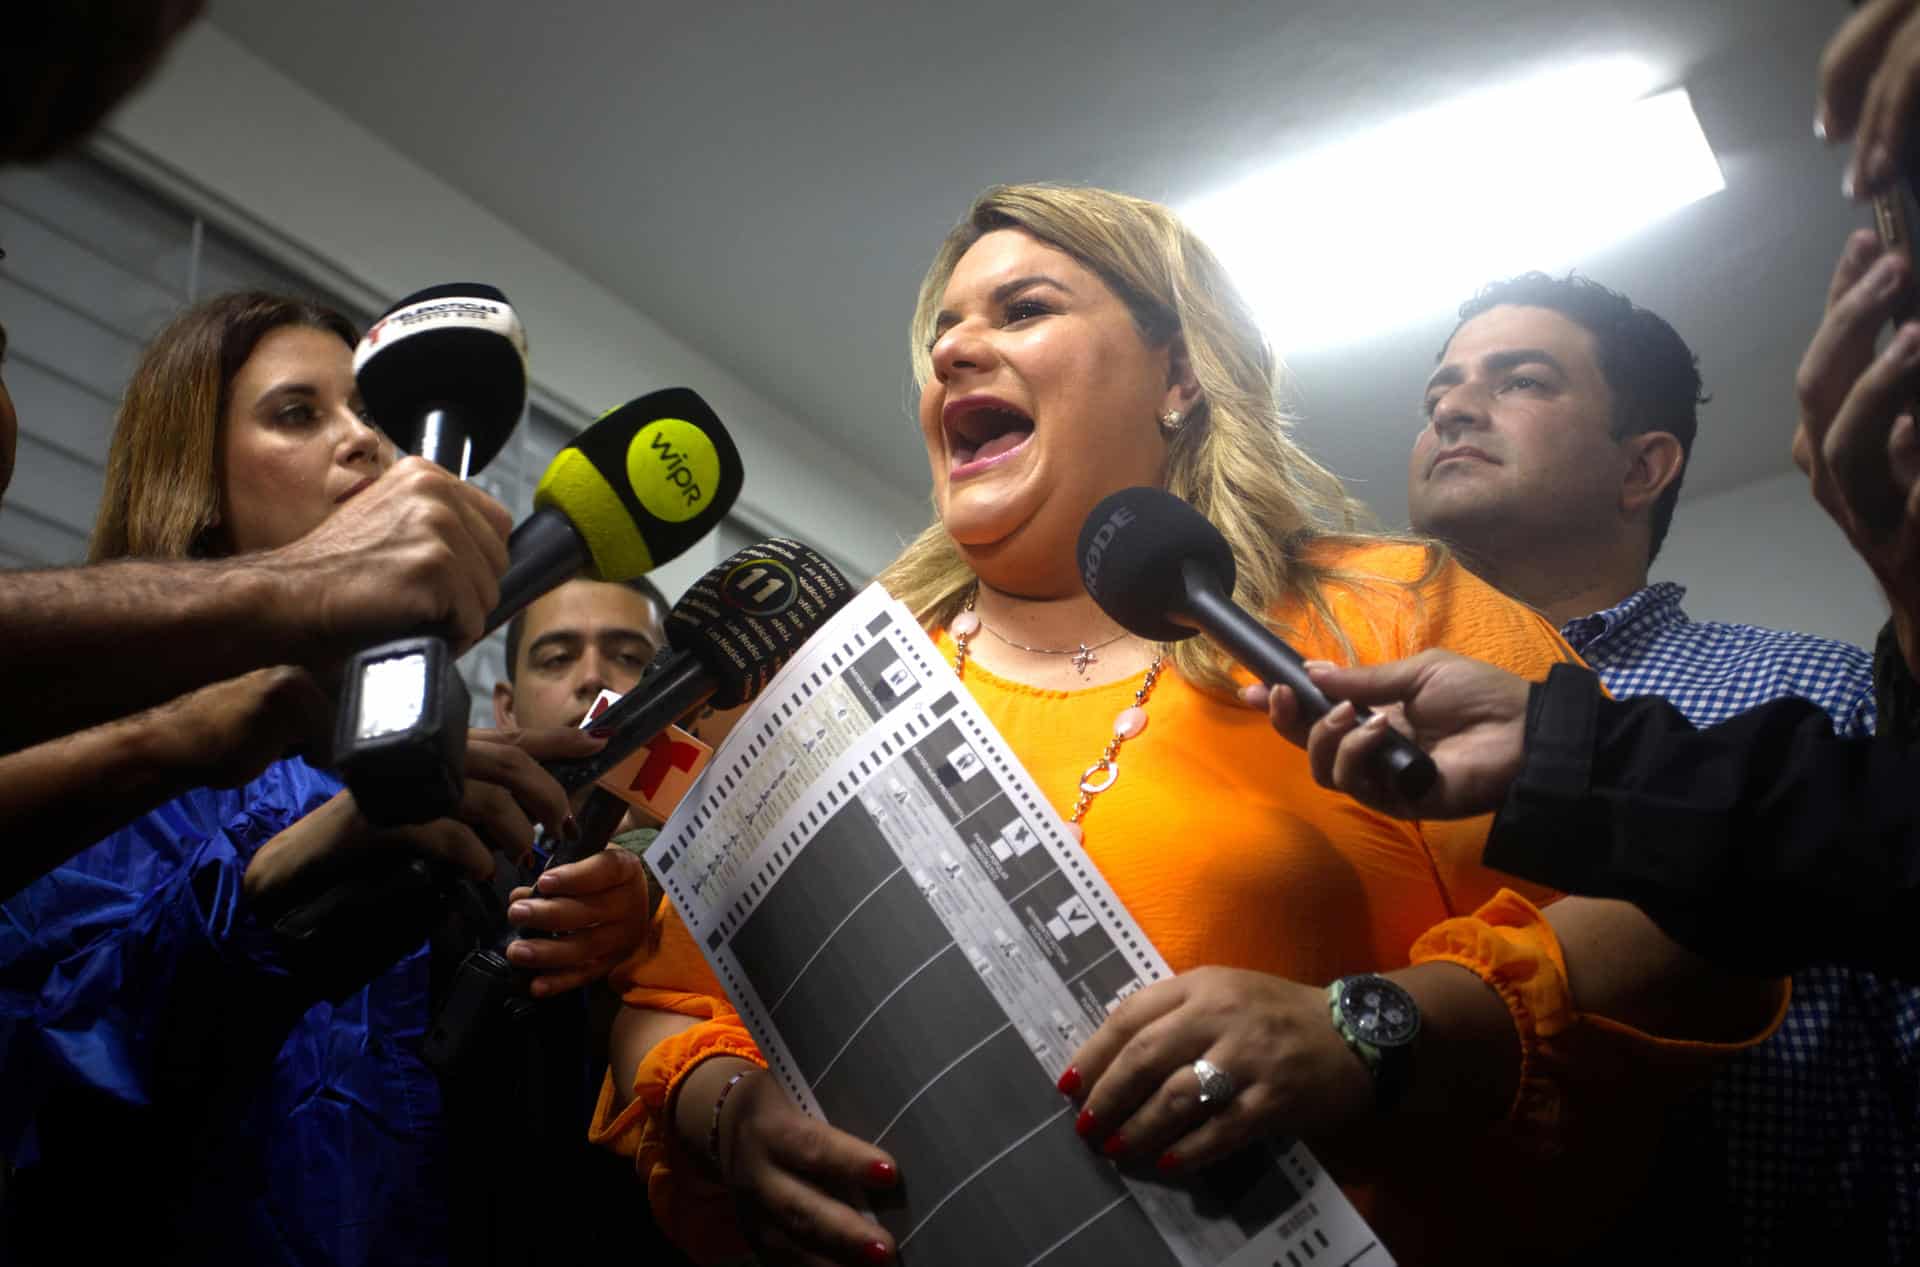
(979, 433)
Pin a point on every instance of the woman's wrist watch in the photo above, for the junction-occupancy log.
(1379, 1020)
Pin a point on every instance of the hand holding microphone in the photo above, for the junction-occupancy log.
(632, 491)
(1470, 718)
(418, 549)
(444, 372)
(727, 636)
(1158, 568)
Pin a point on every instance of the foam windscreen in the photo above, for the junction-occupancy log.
(644, 482)
(743, 619)
(1130, 554)
(457, 348)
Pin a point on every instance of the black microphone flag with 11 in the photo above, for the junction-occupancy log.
(728, 635)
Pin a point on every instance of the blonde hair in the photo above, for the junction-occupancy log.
(1235, 460)
(161, 497)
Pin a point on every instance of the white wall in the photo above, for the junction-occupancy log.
(259, 153)
(1766, 554)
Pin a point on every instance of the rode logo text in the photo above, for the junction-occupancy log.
(1096, 549)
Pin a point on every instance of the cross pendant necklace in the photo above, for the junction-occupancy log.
(1080, 659)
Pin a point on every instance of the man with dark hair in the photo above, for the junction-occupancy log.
(574, 642)
(1565, 352)
(1559, 421)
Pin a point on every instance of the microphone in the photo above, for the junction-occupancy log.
(1156, 566)
(628, 494)
(444, 372)
(727, 636)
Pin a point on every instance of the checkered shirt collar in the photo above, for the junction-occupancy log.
(1649, 609)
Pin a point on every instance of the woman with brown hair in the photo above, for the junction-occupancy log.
(1069, 343)
(166, 1055)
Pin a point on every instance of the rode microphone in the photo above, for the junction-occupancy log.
(728, 635)
(629, 493)
(1163, 572)
(444, 372)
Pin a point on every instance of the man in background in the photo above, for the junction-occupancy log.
(1560, 419)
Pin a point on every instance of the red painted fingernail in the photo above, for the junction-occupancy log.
(1084, 1124)
(881, 1174)
(1115, 1145)
(1167, 1164)
(877, 1252)
(1069, 1083)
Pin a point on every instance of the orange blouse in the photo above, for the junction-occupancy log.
(1225, 851)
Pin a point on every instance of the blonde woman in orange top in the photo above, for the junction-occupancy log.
(1070, 342)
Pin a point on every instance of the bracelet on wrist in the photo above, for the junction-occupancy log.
(713, 1131)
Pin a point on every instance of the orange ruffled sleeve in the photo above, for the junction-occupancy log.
(1570, 1060)
(693, 1211)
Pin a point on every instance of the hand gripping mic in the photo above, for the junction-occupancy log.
(629, 493)
(1156, 566)
(728, 635)
(444, 372)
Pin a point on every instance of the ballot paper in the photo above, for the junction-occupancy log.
(919, 945)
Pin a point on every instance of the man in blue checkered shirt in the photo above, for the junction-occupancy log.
(1558, 424)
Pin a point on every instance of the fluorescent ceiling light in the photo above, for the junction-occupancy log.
(1405, 222)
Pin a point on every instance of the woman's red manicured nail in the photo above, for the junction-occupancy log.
(1084, 1124)
(877, 1252)
(1167, 1164)
(881, 1174)
(1115, 1145)
(1069, 1083)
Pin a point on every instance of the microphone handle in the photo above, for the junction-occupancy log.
(598, 819)
(443, 437)
(545, 549)
(660, 699)
(1410, 770)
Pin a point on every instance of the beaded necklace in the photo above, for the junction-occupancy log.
(1103, 773)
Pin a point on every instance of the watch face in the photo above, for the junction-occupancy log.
(1379, 1011)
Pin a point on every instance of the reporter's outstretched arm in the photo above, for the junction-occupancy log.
(1482, 726)
(1763, 844)
(79, 646)
(61, 796)
(1467, 715)
(149, 965)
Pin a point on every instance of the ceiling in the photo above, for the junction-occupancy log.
(769, 180)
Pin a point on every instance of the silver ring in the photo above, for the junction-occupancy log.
(1216, 1084)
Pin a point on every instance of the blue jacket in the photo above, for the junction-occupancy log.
(166, 1081)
